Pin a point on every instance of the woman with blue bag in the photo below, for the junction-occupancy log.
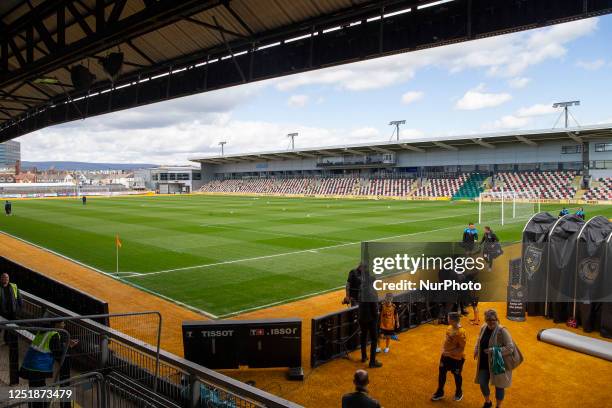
(497, 356)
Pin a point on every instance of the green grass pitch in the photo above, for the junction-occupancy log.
(224, 254)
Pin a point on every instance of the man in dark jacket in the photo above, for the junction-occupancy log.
(353, 286)
(368, 320)
(359, 398)
(8, 207)
(10, 301)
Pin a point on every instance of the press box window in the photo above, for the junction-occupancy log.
(571, 149)
(603, 147)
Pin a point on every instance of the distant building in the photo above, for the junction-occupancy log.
(170, 179)
(10, 153)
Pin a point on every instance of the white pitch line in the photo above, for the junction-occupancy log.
(257, 258)
(272, 233)
(195, 309)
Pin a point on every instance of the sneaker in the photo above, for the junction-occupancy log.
(376, 364)
(378, 349)
(386, 349)
(437, 396)
(459, 396)
(488, 404)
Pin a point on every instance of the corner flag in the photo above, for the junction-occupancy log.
(117, 246)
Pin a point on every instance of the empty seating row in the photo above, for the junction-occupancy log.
(440, 187)
(557, 185)
(601, 192)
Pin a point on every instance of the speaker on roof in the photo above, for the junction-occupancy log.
(81, 77)
(112, 64)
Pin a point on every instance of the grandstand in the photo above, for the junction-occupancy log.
(600, 190)
(542, 161)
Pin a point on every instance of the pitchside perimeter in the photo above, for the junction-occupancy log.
(224, 255)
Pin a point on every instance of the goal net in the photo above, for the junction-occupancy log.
(507, 206)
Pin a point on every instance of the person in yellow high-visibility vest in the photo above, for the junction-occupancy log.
(46, 348)
(10, 301)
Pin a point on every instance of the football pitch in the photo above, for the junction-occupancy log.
(228, 254)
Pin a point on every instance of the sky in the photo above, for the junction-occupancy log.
(491, 85)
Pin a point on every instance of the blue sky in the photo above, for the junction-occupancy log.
(491, 85)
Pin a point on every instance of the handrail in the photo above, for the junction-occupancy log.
(239, 388)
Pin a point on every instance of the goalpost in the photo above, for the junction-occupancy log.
(507, 206)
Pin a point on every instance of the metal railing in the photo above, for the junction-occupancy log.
(182, 382)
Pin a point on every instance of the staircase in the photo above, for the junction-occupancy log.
(472, 187)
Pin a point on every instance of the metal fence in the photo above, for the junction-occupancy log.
(132, 365)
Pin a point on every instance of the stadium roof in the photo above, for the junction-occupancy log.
(50, 48)
(455, 143)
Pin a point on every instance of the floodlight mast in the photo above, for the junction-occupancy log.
(397, 124)
(292, 136)
(566, 106)
(222, 144)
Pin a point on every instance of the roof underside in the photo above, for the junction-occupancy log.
(177, 48)
(571, 136)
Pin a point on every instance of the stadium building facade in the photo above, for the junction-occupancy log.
(576, 155)
(587, 150)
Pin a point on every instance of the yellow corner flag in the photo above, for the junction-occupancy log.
(117, 241)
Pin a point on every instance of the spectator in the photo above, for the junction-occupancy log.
(389, 322)
(359, 398)
(10, 301)
(453, 357)
(353, 286)
(368, 320)
(492, 334)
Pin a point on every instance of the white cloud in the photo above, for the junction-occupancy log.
(536, 110)
(175, 144)
(365, 133)
(298, 101)
(519, 82)
(508, 122)
(522, 117)
(411, 96)
(591, 65)
(477, 98)
(506, 56)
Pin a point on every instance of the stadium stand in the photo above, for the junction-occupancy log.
(603, 191)
(399, 187)
(556, 185)
(549, 185)
(472, 187)
(441, 187)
